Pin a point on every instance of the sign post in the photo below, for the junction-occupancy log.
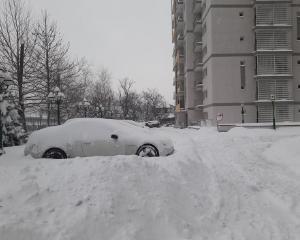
(219, 119)
(273, 107)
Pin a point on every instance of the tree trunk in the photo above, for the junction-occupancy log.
(20, 85)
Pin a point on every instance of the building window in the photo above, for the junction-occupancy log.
(298, 85)
(243, 74)
(241, 38)
(241, 14)
(298, 62)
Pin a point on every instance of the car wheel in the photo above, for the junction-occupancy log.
(55, 153)
(147, 150)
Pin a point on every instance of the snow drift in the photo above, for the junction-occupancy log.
(217, 186)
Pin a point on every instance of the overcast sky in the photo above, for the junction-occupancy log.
(132, 38)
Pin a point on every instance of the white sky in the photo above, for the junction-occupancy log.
(132, 38)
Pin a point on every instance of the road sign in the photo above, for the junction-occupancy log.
(219, 117)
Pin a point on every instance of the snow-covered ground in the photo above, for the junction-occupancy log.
(240, 185)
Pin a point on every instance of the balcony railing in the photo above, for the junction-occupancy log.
(173, 35)
(177, 7)
(272, 40)
(273, 14)
(198, 64)
(199, 85)
(198, 46)
(179, 59)
(197, 4)
(283, 112)
(279, 88)
(180, 23)
(198, 24)
(180, 39)
(180, 76)
(180, 93)
(269, 64)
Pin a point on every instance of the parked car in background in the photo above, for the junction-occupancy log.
(153, 124)
(96, 137)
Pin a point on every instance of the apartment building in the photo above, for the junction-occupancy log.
(235, 58)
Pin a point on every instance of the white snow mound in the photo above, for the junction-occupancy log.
(216, 186)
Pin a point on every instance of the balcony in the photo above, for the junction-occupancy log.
(198, 46)
(178, 79)
(180, 40)
(269, 65)
(198, 85)
(275, 14)
(198, 64)
(180, 23)
(180, 76)
(273, 40)
(177, 7)
(173, 35)
(173, 22)
(280, 88)
(197, 6)
(198, 24)
(180, 58)
(180, 106)
(180, 93)
(283, 111)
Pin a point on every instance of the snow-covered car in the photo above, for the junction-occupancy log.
(96, 137)
(153, 124)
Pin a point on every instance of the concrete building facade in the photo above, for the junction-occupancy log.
(233, 58)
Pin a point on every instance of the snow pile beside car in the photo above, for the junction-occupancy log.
(217, 186)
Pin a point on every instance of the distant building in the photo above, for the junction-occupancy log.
(231, 55)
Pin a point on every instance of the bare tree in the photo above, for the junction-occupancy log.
(101, 95)
(125, 96)
(54, 68)
(17, 43)
(135, 110)
(153, 104)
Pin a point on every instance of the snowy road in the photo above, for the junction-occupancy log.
(241, 185)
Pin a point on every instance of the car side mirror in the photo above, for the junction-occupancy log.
(114, 136)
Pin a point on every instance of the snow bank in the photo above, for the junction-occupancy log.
(285, 153)
(217, 186)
